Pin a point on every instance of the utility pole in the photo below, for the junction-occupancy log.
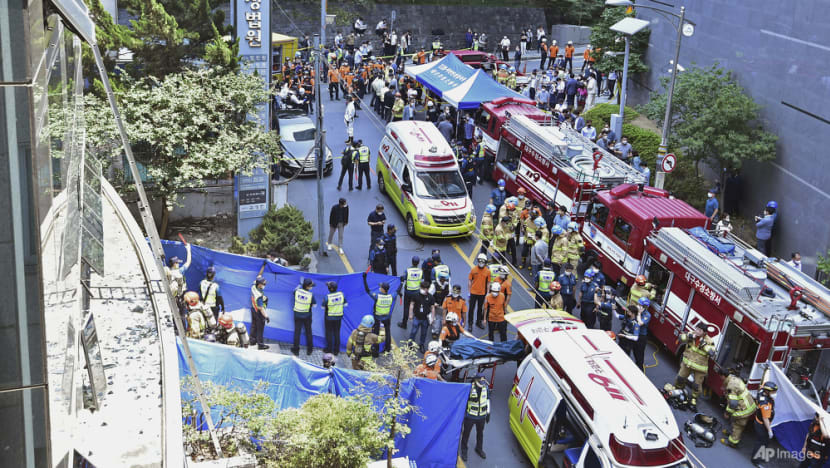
(321, 135)
(660, 176)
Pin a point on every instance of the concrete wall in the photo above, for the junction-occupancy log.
(562, 33)
(203, 202)
(421, 20)
(780, 52)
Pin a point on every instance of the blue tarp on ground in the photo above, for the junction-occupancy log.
(433, 442)
(236, 273)
(441, 75)
(480, 87)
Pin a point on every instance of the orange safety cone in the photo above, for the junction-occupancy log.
(524, 70)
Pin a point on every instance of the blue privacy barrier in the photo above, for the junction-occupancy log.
(436, 431)
(236, 273)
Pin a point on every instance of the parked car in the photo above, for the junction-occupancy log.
(297, 134)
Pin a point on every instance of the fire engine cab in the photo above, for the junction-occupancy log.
(759, 309)
(578, 399)
(527, 149)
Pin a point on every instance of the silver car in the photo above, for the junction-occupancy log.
(297, 134)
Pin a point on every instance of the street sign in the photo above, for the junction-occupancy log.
(669, 162)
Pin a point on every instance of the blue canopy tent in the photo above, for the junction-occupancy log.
(480, 87)
(441, 75)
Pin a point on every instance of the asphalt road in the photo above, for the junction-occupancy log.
(501, 446)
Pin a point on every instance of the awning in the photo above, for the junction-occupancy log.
(477, 89)
(441, 75)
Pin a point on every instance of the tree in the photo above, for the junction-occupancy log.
(581, 12)
(284, 231)
(189, 127)
(604, 40)
(712, 120)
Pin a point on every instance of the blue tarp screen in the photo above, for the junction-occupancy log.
(442, 75)
(433, 442)
(480, 87)
(236, 273)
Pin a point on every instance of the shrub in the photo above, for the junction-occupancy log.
(284, 231)
(646, 142)
(686, 183)
(601, 114)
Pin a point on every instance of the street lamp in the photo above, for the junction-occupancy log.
(627, 27)
(683, 28)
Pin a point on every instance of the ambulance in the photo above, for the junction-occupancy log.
(416, 167)
(579, 399)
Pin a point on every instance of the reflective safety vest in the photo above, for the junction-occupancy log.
(487, 229)
(546, 277)
(638, 291)
(530, 231)
(414, 275)
(209, 289)
(500, 238)
(696, 356)
(480, 151)
(441, 269)
(196, 324)
(478, 404)
(363, 154)
(383, 304)
(436, 45)
(495, 271)
(741, 405)
(335, 304)
(574, 244)
(302, 302)
(560, 250)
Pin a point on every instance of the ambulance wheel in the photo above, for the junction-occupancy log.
(381, 183)
(410, 226)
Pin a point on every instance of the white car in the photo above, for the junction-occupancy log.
(297, 134)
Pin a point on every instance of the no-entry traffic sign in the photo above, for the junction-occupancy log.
(669, 162)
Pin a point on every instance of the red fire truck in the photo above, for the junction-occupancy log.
(758, 308)
(556, 163)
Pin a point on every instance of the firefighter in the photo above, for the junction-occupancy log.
(699, 348)
(303, 303)
(224, 328)
(641, 289)
(333, 306)
(575, 245)
(501, 239)
(193, 303)
(452, 331)
(816, 444)
(544, 280)
(528, 239)
(363, 344)
(209, 290)
(384, 303)
(477, 414)
(430, 368)
(740, 407)
(487, 228)
(559, 251)
(196, 325)
(411, 282)
(764, 415)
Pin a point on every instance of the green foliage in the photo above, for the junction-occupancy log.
(581, 12)
(713, 120)
(686, 183)
(823, 266)
(604, 40)
(601, 114)
(644, 141)
(326, 431)
(284, 231)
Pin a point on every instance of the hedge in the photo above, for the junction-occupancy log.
(601, 114)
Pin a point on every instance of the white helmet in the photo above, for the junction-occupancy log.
(431, 359)
(481, 258)
(495, 287)
(452, 317)
(434, 346)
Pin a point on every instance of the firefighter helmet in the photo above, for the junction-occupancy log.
(191, 298)
(640, 279)
(226, 321)
(431, 359)
(556, 286)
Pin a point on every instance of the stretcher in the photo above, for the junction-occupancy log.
(455, 368)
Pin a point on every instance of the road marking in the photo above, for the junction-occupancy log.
(473, 254)
(470, 263)
(460, 463)
(344, 259)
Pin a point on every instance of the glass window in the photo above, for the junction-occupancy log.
(305, 135)
(659, 276)
(508, 156)
(599, 215)
(622, 230)
(440, 184)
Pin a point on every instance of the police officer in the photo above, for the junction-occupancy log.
(430, 263)
(378, 257)
(259, 303)
(568, 282)
(411, 282)
(487, 226)
(363, 344)
(699, 348)
(211, 296)
(740, 407)
(764, 415)
(390, 240)
(384, 302)
(303, 303)
(816, 447)
(439, 289)
(477, 414)
(347, 162)
(363, 154)
(605, 310)
(630, 331)
(588, 299)
(643, 319)
(333, 305)
(544, 279)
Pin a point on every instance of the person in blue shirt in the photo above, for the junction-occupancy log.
(605, 311)
(588, 299)
(636, 161)
(763, 231)
(469, 131)
(468, 171)
(567, 281)
(390, 240)
(498, 195)
(630, 333)
(643, 319)
(712, 207)
(599, 277)
(562, 218)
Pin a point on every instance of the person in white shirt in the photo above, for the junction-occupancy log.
(591, 88)
(505, 48)
(393, 39)
(589, 131)
(348, 118)
(358, 58)
(795, 261)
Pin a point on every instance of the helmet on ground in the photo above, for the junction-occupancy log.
(770, 386)
(240, 328)
(772, 204)
(226, 321)
(191, 298)
(431, 359)
(490, 208)
(331, 285)
(481, 257)
(557, 230)
(259, 280)
(643, 301)
(547, 263)
(452, 317)
(211, 271)
(328, 357)
(640, 279)
(540, 222)
(433, 346)
(384, 286)
(501, 184)
(308, 283)
(416, 260)
(573, 226)
(368, 321)
(590, 273)
(495, 287)
(556, 286)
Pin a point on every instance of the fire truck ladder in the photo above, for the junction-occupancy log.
(627, 174)
(728, 282)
